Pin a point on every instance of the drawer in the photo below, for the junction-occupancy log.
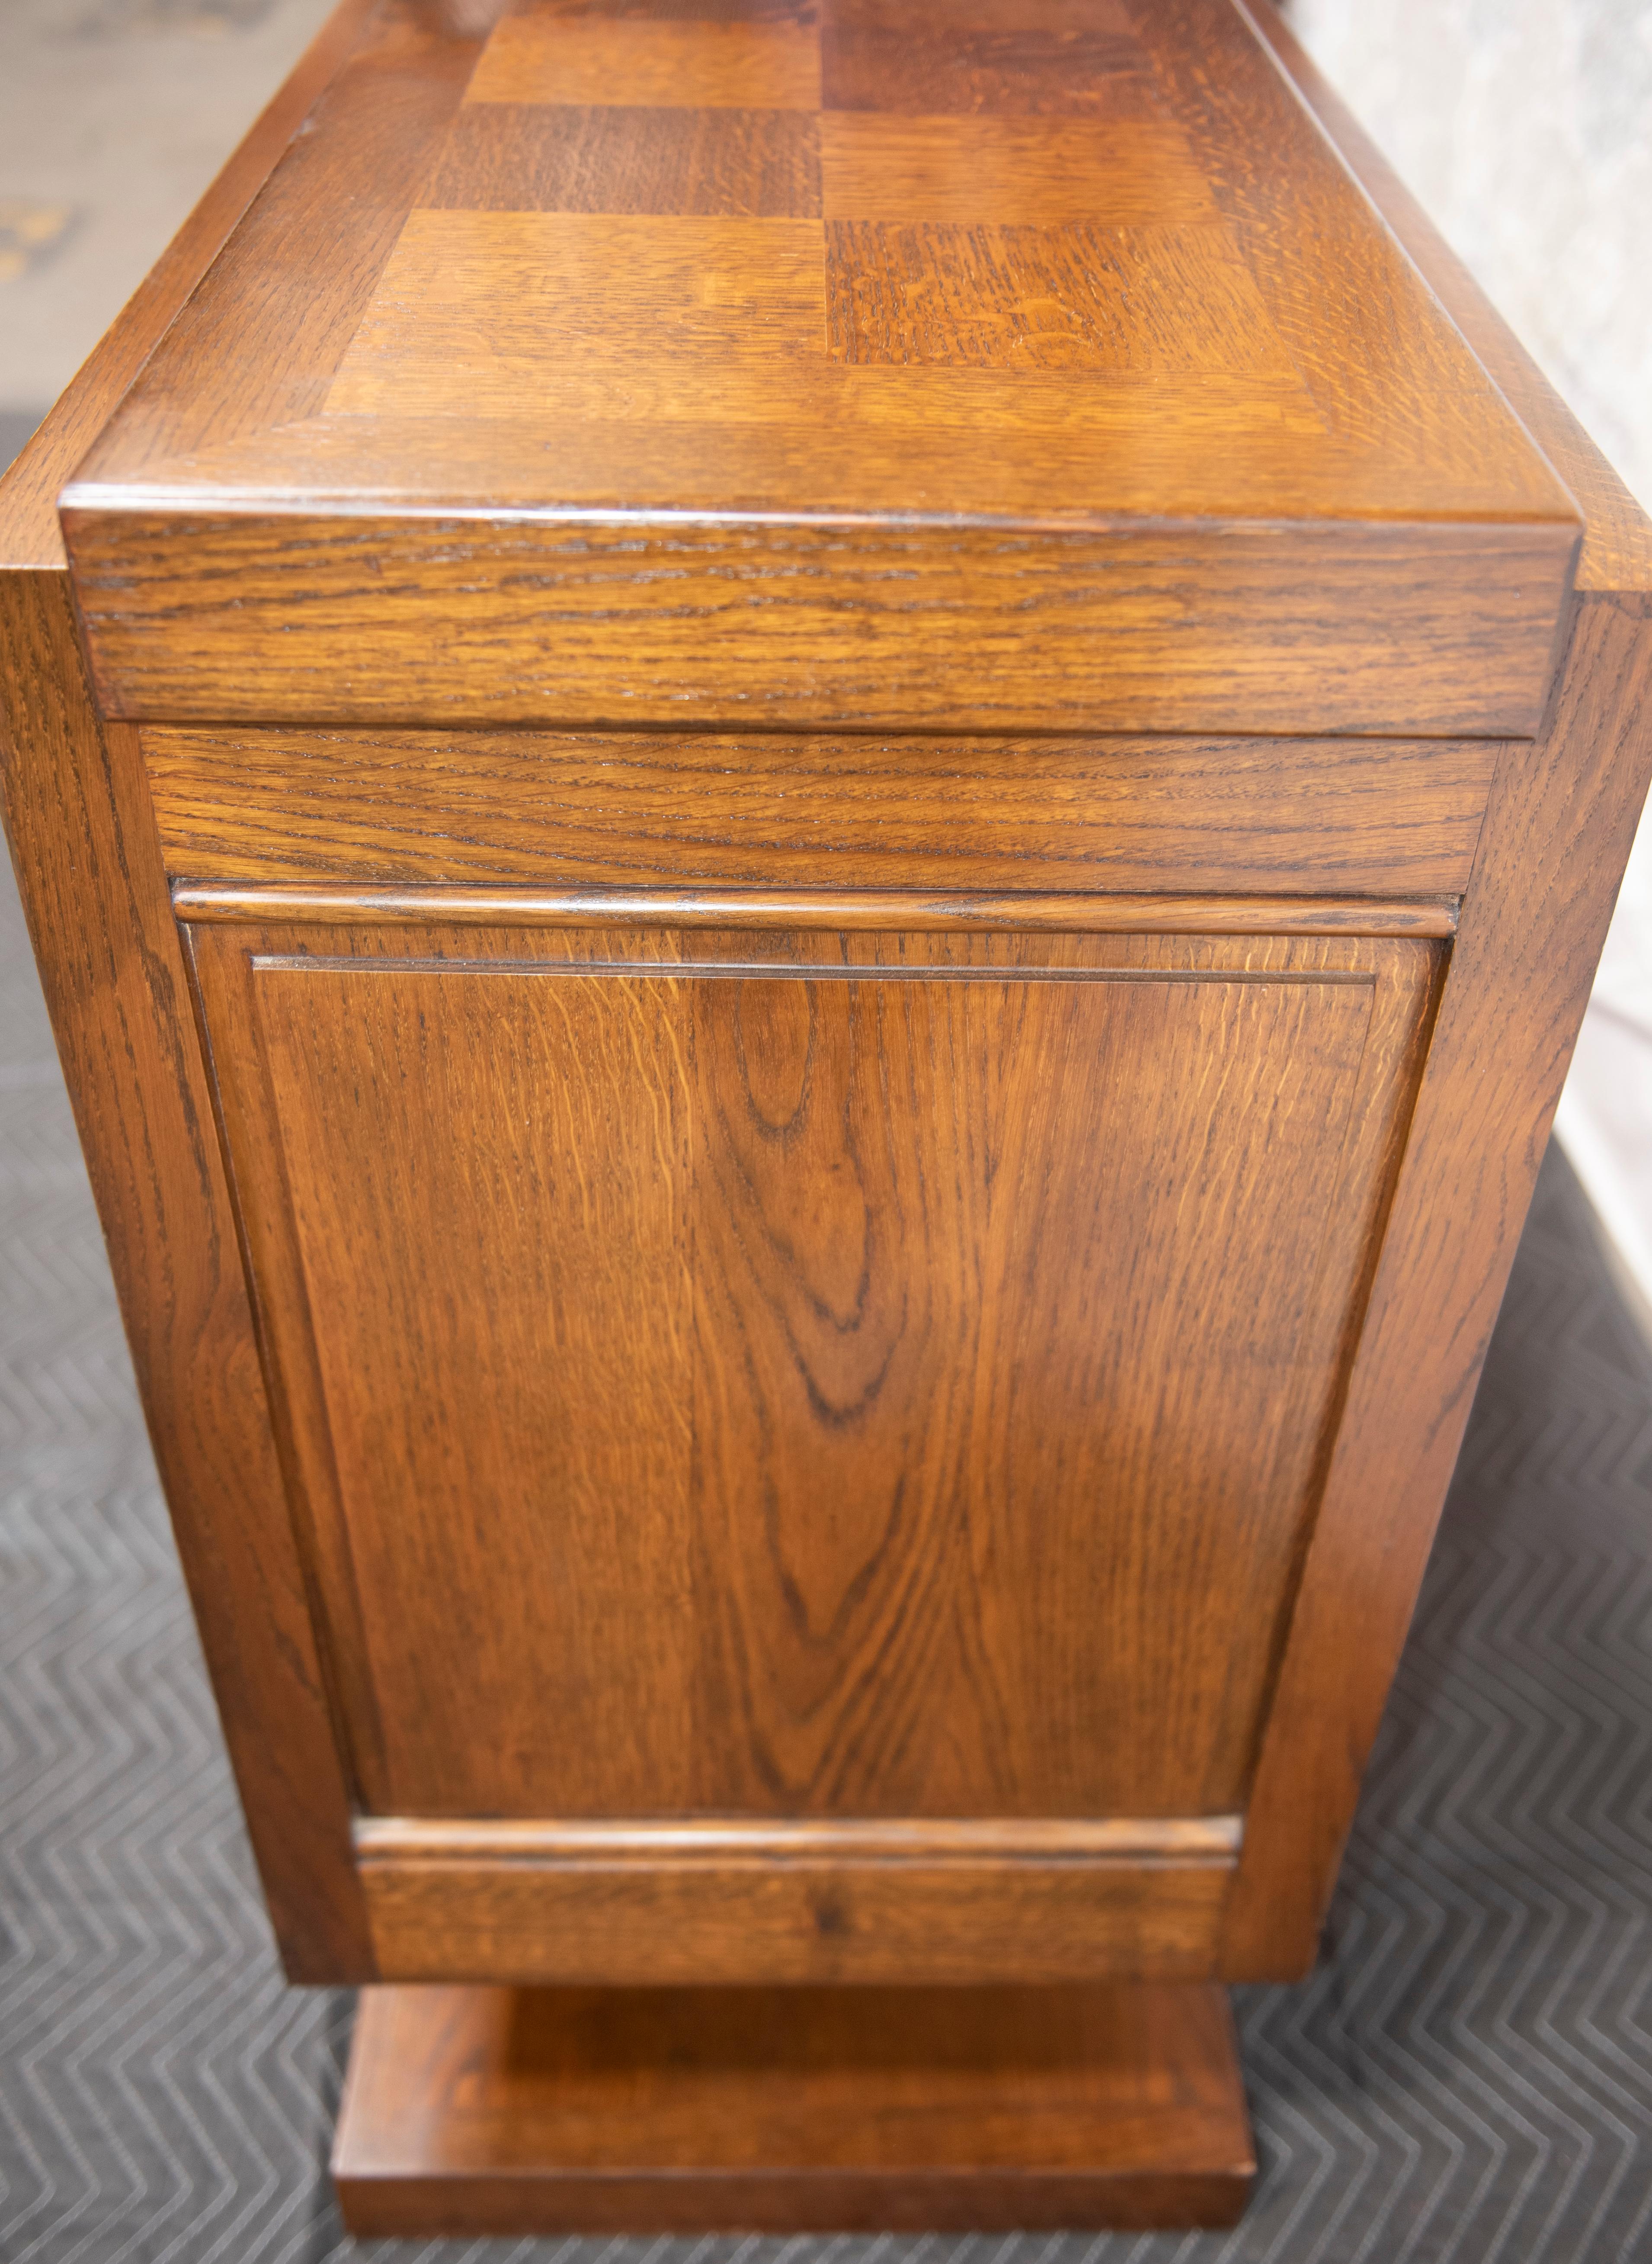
(1326, 817)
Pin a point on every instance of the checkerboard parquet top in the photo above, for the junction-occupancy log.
(1005, 257)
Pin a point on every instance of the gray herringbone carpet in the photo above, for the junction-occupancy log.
(1469, 2077)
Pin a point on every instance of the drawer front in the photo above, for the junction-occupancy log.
(1310, 817)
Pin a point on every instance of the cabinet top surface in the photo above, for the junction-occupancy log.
(1038, 261)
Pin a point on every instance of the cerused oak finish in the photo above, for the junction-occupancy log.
(815, 836)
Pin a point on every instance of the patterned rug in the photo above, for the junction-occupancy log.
(1467, 2078)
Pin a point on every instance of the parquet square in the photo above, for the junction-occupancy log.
(614, 158)
(673, 12)
(571, 313)
(809, 270)
(1011, 57)
(1017, 229)
(1129, 300)
(1032, 171)
(646, 62)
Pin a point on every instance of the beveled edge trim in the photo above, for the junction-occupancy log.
(394, 1839)
(348, 905)
(1177, 2149)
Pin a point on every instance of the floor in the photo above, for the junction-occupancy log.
(1469, 2077)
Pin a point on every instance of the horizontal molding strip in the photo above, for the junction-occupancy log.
(831, 1840)
(380, 810)
(724, 970)
(348, 906)
(674, 1903)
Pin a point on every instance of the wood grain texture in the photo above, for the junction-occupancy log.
(1616, 546)
(1557, 832)
(859, 1311)
(484, 2111)
(87, 865)
(549, 56)
(273, 318)
(1341, 295)
(518, 809)
(724, 297)
(988, 297)
(749, 1290)
(1049, 58)
(659, 1917)
(749, 164)
(1027, 172)
(1207, 325)
(748, 1900)
(1161, 162)
(892, 911)
(967, 628)
(894, 437)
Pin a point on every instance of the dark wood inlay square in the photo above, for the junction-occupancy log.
(1049, 57)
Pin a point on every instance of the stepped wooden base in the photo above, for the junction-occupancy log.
(480, 2110)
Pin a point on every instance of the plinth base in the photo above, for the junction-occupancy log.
(487, 2110)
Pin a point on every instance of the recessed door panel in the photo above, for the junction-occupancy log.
(806, 1376)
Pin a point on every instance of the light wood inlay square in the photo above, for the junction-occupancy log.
(505, 156)
(672, 65)
(513, 311)
(1119, 300)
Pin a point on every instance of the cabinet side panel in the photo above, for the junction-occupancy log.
(810, 1373)
(88, 863)
(1557, 834)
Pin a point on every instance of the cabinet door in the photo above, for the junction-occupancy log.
(805, 1383)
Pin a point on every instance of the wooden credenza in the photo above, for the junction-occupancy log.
(816, 801)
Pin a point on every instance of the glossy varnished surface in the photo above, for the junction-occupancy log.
(1377, 627)
(855, 1312)
(567, 1908)
(938, 316)
(748, 1899)
(488, 2110)
(1563, 814)
(639, 250)
(520, 810)
(81, 838)
(843, 912)
(1616, 552)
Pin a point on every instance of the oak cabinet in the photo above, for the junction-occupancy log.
(816, 800)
